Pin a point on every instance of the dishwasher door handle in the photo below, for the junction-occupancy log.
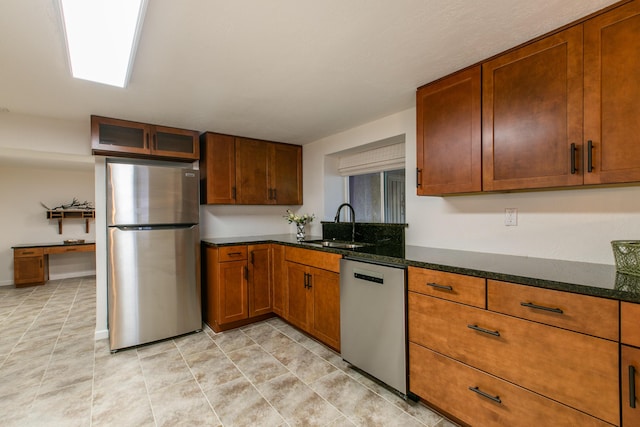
(369, 277)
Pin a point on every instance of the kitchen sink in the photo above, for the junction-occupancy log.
(335, 244)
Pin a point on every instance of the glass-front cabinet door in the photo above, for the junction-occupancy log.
(123, 137)
(175, 143)
(113, 135)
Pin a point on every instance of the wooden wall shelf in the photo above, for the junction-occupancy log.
(71, 214)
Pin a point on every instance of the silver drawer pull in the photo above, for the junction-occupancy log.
(542, 307)
(438, 286)
(485, 394)
(483, 330)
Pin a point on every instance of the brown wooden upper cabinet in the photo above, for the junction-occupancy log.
(612, 96)
(532, 114)
(560, 111)
(449, 135)
(237, 170)
(133, 139)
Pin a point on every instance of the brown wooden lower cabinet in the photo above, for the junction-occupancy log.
(238, 284)
(260, 279)
(246, 283)
(480, 399)
(31, 263)
(297, 295)
(580, 313)
(575, 369)
(232, 301)
(630, 385)
(629, 331)
(630, 363)
(313, 302)
(29, 267)
(325, 306)
(450, 286)
(279, 281)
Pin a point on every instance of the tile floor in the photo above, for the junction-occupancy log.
(53, 373)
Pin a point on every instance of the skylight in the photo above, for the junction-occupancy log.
(101, 38)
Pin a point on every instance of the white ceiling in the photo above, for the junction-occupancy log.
(284, 70)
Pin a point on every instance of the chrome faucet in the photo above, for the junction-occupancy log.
(353, 219)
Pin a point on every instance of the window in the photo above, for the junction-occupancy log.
(375, 180)
(378, 197)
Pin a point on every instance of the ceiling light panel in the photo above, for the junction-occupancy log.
(101, 37)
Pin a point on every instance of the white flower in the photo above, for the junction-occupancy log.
(301, 220)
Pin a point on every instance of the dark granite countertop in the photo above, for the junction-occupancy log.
(48, 245)
(600, 280)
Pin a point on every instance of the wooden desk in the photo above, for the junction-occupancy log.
(31, 262)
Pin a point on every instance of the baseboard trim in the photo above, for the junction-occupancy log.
(72, 275)
(101, 335)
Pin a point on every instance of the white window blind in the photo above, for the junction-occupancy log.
(379, 159)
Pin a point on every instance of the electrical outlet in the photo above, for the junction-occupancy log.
(511, 216)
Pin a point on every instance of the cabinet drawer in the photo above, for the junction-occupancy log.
(630, 323)
(454, 287)
(312, 258)
(581, 313)
(17, 253)
(578, 370)
(232, 253)
(458, 389)
(67, 249)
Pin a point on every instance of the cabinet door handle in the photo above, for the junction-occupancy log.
(574, 151)
(483, 330)
(246, 273)
(589, 156)
(306, 280)
(233, 193)
(418, 176)
(252, 258)
(485, 394)
(438, 286)
(542, 307)
(234, 253)
(632, 386)
(309, 280)
(275, 194)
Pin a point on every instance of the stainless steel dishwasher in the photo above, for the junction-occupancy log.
(373, 320)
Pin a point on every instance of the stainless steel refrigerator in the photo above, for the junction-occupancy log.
(153, 251)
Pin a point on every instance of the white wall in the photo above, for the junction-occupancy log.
(573, 225)
(229, 220)
(24, 220)
(49, 161)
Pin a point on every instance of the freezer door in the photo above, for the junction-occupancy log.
(145, 194)
(154, 284)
